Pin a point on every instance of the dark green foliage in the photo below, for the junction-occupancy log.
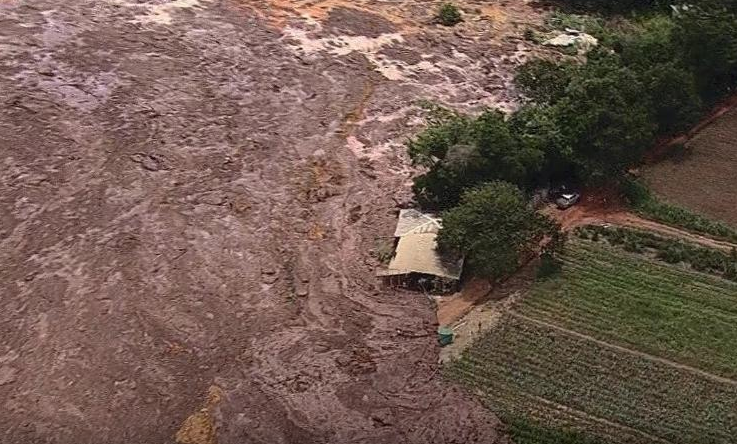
(461, 152)
(445, 130)
(649, 47)
(537, 130)
(544, 81)
(449, 15)
(549, 266)
(672, 251)
(635, 192)
(676, 103)
(650, 77)
(610, 6)
(495, 228)
(587, 122)
(605, 118)
(706, 34)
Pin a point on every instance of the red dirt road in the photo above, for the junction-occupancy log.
(604, 207)
(188, 197)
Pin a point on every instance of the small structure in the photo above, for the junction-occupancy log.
(417, 263)
(445, 336)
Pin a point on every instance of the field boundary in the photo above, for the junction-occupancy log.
(620, 348)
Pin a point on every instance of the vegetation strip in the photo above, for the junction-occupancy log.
(627, 350)
(644, 203)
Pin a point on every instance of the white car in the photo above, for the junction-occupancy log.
(567, 200)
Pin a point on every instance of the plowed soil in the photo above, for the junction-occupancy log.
(702, 177)
(189, 195)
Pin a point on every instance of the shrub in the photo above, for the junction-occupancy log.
(449, 15)
(673, 254)
(549, 266)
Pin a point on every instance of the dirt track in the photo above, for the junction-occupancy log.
(189, 194)
(594, 210)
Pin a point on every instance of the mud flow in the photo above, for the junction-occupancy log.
(190, 195)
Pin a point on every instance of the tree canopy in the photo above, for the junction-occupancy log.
(494, 227)
(461, 152)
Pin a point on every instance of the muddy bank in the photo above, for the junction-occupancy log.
(189, 196)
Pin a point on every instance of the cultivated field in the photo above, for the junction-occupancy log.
(617, 347)
(703, 178)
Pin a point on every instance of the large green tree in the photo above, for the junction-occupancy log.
(706, 34)
(495, 228)
(460, 152)
(606, 118)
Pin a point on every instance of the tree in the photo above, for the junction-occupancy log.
(536, 129)
(674, 96)
(445, 130)
(495, 228)
(707, 36)
(462, 152)
(544, 81)
(605, 118)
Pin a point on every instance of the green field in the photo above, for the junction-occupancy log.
(617, 348)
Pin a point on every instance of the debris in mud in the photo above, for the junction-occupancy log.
(149, 162)
(7, 375)
(572, 37)
(199, 427)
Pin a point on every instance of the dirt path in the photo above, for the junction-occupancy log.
(472, 319)
(189, 196)
(630, 351)
(604, 209)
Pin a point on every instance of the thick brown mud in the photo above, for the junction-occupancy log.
(190, 193)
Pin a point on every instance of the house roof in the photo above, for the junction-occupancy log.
(416, 253)
(416, 250)
(413, 221)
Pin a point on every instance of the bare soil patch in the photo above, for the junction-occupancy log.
(702, 178)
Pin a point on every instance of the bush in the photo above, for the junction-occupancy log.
(673, 254)
(544, 81)
(549, 266)
(449, 15)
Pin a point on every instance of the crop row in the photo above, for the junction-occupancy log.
(646, 204)
(548, 375)
(651, 311)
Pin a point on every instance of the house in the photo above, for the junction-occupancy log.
(416, 262)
